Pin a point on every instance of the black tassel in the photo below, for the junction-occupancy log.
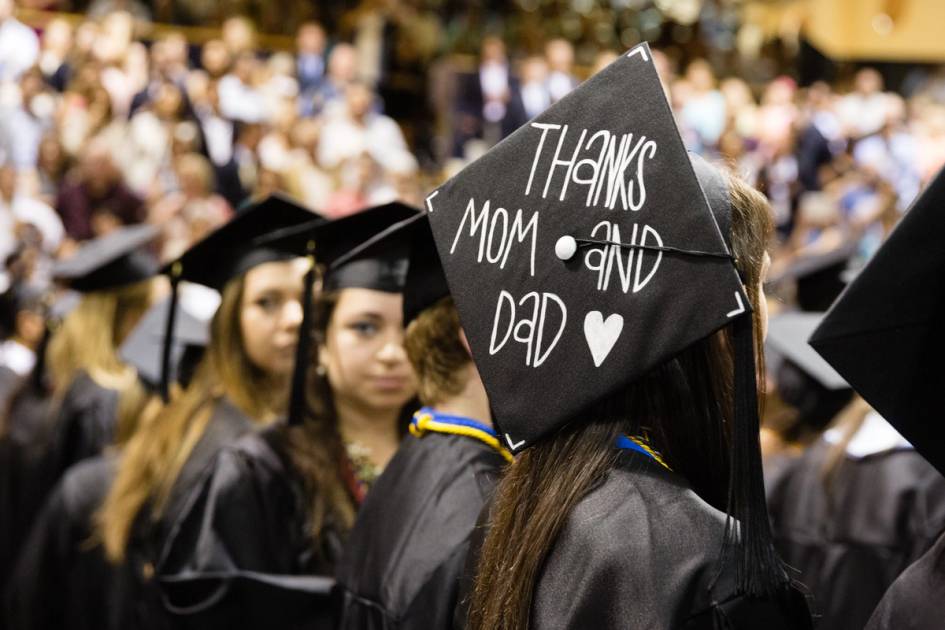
(748, 543)
(297, 404)
(169, 335)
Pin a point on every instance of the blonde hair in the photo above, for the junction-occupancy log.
(154, 457)
(89, 337)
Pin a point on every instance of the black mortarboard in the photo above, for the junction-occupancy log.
(116, 259)
(819, 277)
(884, 334)
(227, 252)
(339, 246)
(787, 336)
(412, 257)
(426, 281)
(143, 347)
(804, 380)
(582, 253)
(233, 248)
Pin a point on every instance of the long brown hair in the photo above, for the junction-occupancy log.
(158, 451)
(695, 389)
(314, 447)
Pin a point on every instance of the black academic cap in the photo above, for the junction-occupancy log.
(116, 259)
(884, 334)
(333, 239)
(408, 252)
(233, 248)
(426, 281)
(339, 246)
(820, 277)
(143, 346)
(787, 336)
(804, 380)
(227, 252)
(582, 253)
(549, 307)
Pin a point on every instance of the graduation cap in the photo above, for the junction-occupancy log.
(226, 253)
(820, 277)
(143, 347)
(884, 334)
(413, 260)
(804, 379)
(582, 253)
(116, 259)
(788, 334)
(339, 246)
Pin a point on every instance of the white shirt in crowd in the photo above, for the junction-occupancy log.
(342, 138)
(19, 49)
(24, 209)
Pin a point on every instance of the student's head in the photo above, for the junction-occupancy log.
(361, 349)
(254, 333)
(437, 351)
(90, 335)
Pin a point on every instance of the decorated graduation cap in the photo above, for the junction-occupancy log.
(227, 252)
(884, 333)
(582, 252)
(119, 258)
(804, 379)
(339, 246)
(143, 347)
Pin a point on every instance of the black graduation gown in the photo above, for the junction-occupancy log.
(61, 578)
(404, 556)
(242, 556)
(83, 425)
(137, 596)
(23, 486)
(640, 551)
(916, 600)
(887, 510)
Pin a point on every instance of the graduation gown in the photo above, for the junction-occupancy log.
(916, 600)
(61, 579)
(242, 555)
(405, 554)
(84, 424)
(23, 486)
(883, 512)
(640, 551)
(137, 596)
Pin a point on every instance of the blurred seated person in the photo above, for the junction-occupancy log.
(489, 103)
(192, 211)
(342, 70)
(309, 62)
(561, 80)
(357, 128)
(24, 218)
(94, 195)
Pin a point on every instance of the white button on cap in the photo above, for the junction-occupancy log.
(566, 247)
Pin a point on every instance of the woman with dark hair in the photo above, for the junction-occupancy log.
(634, 431)
(262, 532)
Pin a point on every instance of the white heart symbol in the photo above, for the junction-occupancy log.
(601, 335)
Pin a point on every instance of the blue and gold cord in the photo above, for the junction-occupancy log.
(640, 445)
(427, 420)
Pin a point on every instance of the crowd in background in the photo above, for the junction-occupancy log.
(102, 126)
